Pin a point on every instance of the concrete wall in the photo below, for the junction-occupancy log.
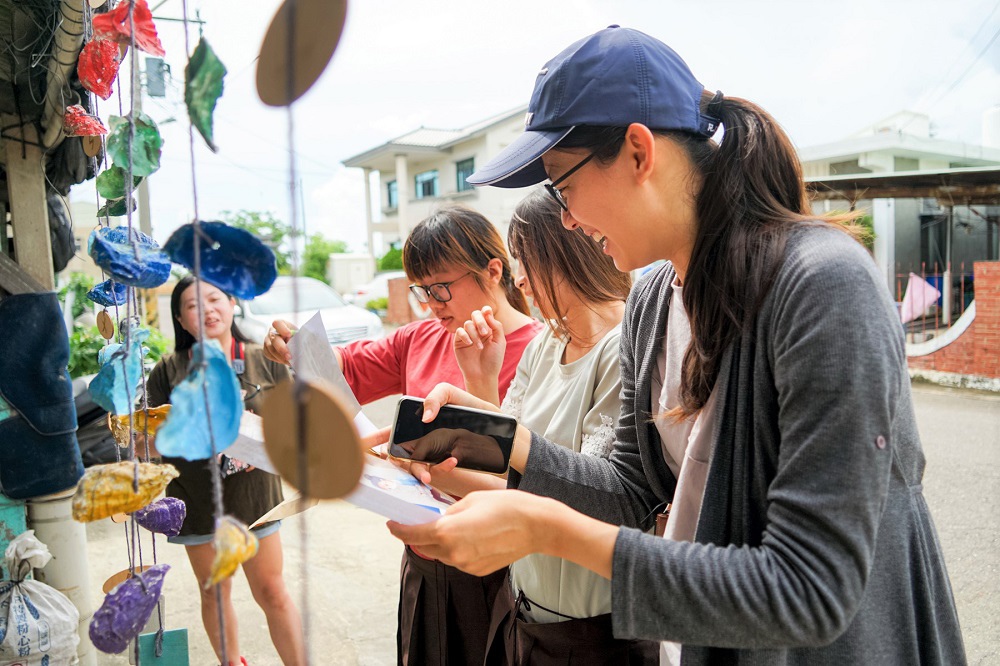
(975, 352)
(495, 203)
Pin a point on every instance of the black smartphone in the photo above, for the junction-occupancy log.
(480, 440)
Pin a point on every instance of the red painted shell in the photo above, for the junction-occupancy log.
(98, 66)
(77, 122)
(115, 25)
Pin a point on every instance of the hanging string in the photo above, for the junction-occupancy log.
(200, 359)
(299, 387)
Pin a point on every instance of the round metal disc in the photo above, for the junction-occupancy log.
(330, 442)
(105, 324)
(315, 33)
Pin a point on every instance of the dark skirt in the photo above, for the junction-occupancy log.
(444, 614)
(580, 642)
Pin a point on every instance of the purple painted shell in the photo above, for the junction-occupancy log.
(164, 516)
(126, 609)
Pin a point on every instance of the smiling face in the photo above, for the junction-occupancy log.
(217, 309)
(466, 293)
(640, 207)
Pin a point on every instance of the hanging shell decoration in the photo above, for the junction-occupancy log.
(147, 422)
(106, 490)
(234, 545)
(164, 516)
(126, 610)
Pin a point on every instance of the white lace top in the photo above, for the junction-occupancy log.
(577, 405)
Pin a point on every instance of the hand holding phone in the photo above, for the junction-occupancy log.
(479, 440)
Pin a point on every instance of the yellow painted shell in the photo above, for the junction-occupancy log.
(234, 545)
(106, 490)
(146, 420)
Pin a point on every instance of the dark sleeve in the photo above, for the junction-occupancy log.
(158, 384)
(838, 363)
(614, 489)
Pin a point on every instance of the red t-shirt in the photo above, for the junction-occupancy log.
(416, 358)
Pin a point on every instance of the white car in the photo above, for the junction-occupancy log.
(377, 287)
(343, 322)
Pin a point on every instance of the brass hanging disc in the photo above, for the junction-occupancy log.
(122, 576)
(315, 33)
(105, 324)
(91, 145)
(331, 445)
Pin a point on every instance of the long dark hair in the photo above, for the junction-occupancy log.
(182, 339)
(455, 236)
(549, 253)
(752, 198)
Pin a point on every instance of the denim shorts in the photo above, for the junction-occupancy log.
(265, 530)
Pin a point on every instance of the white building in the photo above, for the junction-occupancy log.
(915, 234)
(428, 166)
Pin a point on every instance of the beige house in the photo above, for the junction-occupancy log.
(426, 167)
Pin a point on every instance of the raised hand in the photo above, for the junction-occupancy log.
(480, 346)
(275, 342)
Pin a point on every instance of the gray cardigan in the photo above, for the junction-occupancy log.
(814, 542)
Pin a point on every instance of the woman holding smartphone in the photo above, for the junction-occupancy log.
(764, 384)
(458, 264)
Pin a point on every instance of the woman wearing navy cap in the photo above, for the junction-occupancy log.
(765, 393)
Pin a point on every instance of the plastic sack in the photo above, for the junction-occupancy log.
(38, 623)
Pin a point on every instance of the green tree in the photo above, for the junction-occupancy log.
(272, 231)
(316, 255)
(391, 260)
(79, 284)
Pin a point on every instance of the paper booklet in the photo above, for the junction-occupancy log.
(384, 488)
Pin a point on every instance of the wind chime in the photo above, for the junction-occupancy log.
(308, 433)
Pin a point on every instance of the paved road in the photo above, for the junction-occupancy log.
(353, 565)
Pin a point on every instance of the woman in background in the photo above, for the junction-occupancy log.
(247, 494)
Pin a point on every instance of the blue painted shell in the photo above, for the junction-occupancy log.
(116, 387)
(126, 609)
(164, 516)
(185, 433)
(108, 293)
(112, 250)
(234, 260)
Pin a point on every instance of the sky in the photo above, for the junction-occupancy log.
(824, 68)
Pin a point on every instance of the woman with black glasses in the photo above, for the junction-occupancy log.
(247, 493)
(458, 264)
(764, 387)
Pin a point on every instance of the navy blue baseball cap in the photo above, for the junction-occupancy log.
(612, 78)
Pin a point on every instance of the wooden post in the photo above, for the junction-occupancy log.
(29, 212)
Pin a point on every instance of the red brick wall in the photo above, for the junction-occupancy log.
(977, 350)
(399, 311)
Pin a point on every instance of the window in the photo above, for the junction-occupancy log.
(392, 194)
(463, 170)
(426, 184)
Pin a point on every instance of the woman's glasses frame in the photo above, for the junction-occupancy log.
(439, 291)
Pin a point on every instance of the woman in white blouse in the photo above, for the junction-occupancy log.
(567, 386)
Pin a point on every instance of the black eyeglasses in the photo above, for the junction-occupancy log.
(553, 187)
(439, 291)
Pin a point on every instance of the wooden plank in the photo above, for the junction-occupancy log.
(28, 211)
(14, 280)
